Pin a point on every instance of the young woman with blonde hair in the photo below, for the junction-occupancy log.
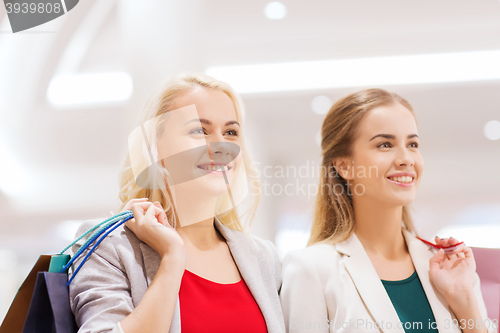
(184, 261)
(364, 269)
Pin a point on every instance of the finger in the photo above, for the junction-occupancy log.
(445, 241)
(449, 263)
(453, 241)
(151, 211)
(143, 204)
(162, 215)
(158, 211)
(437, 259)
(137, 210)
(467, 251)
(129, 204)
(451, 256)
(441, 241)
(458, 249)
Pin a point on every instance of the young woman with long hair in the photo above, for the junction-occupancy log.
(364, 269)
(184, 261)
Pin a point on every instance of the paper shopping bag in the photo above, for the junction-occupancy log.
(49, 311)
(14, 320)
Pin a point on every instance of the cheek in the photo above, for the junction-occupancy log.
(238, 163)
(175, 145)
(419, 164)
(372, 169)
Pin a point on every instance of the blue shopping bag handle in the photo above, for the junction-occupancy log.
(103, 226)
(112, 218)
(94, 247)
(113, 222)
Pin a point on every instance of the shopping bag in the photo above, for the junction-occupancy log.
(49, 311)
(488, 269)
(49, 291)
(14, 320)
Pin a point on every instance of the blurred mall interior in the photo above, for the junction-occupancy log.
(61, 150)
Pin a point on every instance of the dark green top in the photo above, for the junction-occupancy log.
(411, 304)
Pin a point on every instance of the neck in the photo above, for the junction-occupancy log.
(203, 235)
(196, 218)
(378, 227)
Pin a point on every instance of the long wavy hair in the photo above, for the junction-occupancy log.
(333, 219)
(139, 155)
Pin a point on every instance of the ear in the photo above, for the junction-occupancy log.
(344, 167)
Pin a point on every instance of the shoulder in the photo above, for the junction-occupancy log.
(310, 261)
(262, 250)
(313, 255)
(263, 245)
(248, 243)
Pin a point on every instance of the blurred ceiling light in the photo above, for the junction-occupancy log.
(321, 104)
(85, 89)
(361, 72)
(275, 10)
(492, 130)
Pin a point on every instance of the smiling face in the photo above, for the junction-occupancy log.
(200, 142)
(386, 164)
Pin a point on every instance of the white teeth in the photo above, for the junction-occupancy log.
(214, 167)
(403, 179)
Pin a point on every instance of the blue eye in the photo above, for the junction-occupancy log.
(197, 131)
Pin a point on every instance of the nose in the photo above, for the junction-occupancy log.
(222, 150)
(404, 158)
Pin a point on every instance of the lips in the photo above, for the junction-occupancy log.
(214, 168)
(404, 181)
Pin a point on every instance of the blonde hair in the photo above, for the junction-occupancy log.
(333, 220)
(160, 103)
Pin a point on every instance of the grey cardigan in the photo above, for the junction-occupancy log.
(114, 279)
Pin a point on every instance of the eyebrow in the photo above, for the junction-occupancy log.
(208, 122)
(390, 136)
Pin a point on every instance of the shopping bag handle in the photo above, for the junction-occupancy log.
(103, 226)
(114, 217)
(96, 244)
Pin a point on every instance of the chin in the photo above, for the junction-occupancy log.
(213, 188)
(403, 201)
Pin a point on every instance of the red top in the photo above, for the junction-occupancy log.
(208, 306)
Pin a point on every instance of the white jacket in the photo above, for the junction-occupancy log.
(335, 288)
